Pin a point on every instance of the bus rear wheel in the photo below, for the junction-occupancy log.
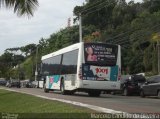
(62, 88)
(94, 93)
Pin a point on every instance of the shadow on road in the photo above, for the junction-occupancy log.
(152, 97)
(83, 94)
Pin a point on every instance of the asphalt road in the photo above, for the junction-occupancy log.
(130, 104)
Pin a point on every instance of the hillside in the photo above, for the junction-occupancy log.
(135, 26)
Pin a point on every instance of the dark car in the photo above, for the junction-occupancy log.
(13, 83)
(29, 85)
(132, 84)
(151, 87)
(34, 84)
(3, 82)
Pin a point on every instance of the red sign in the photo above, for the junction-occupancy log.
(99, 70)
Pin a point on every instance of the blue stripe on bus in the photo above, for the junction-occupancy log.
(56, 78)
(114, 73)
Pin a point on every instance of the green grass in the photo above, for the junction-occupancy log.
(12, 102)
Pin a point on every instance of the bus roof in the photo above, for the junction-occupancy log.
(61, 51)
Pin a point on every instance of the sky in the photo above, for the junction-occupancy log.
(50, 17)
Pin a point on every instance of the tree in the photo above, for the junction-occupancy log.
(5, 64)
(20, 7)
(29, 49)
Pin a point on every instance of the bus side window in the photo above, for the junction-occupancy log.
(69, 63)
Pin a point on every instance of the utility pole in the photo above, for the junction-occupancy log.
(158, 57)
(36, 72)
(80, 27)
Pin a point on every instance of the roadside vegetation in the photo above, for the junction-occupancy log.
(135, 26)
(26, 105)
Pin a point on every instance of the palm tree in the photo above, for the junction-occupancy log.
(20, 7)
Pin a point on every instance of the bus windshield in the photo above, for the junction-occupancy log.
(100, 54)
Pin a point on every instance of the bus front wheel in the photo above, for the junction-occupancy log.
(46, 90)
(94, 93)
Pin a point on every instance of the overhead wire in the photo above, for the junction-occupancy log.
(101, 6)
(88, 6)
(128, 35)
(98, 9)
(92, 6)
(98, 5)
(128, 32)
(126, 40)
(140, 35)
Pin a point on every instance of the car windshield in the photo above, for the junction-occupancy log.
(138, 78)
(154, 79)
(124, 78)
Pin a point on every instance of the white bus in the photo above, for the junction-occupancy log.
(89, 67)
